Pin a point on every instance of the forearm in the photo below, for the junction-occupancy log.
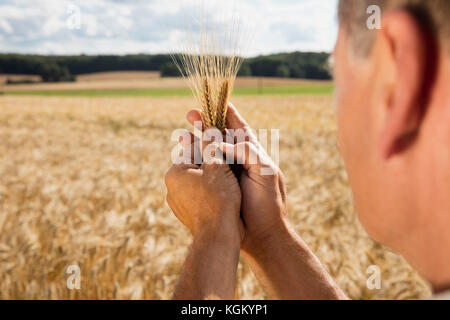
(210, 269)
(288, 270)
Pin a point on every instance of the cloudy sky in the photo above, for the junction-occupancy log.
(156, 26)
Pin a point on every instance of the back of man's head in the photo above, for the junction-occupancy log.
(432, 13)
(393, 102)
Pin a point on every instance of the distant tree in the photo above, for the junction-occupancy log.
(51, 72)
(310, 65)
(170, 70)
(264, 66)
(283, 71)
(245, 70)
(24, 81)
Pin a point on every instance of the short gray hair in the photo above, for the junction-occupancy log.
(433, 14)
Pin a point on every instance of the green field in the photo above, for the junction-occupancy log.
(313, 90)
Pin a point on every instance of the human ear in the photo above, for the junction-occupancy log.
(413, 54)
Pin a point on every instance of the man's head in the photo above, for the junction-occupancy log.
(393, 99)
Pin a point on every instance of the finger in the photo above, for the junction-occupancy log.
(186, 139)
(177, 172)
(235, 136)
(217, 160)
(186, 159)
(190, 148)
(252, 158)
(234, 119)
(211, 151)
(245, 154)
(239, 127)
(194, 116)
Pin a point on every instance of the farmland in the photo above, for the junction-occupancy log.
(149, 84)
(81, 183)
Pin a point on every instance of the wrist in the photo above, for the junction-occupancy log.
(270, 242)
(224, 235)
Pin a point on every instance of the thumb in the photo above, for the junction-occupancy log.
(250, 157)
(244, 154)
(234, 119)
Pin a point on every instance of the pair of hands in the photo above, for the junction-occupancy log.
(212, 202)
(228, 215)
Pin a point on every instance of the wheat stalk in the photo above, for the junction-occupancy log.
(207, 105)
(222, 106)
(210, 66)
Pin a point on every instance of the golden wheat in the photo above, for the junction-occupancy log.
(82, 183)
(222, 106)
(207, 105)
(210, 66)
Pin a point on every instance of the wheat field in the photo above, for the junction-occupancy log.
(81, 183)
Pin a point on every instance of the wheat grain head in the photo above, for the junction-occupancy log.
(222, 105)
(210, 64)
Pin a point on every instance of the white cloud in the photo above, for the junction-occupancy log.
(52, 26)
(155, 26)
(6, 27)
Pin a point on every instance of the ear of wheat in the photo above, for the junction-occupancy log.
(210, 66)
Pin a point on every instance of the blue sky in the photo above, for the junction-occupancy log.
(156, 26)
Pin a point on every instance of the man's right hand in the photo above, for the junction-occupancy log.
(262, 184)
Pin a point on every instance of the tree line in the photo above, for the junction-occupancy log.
(308, 65)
